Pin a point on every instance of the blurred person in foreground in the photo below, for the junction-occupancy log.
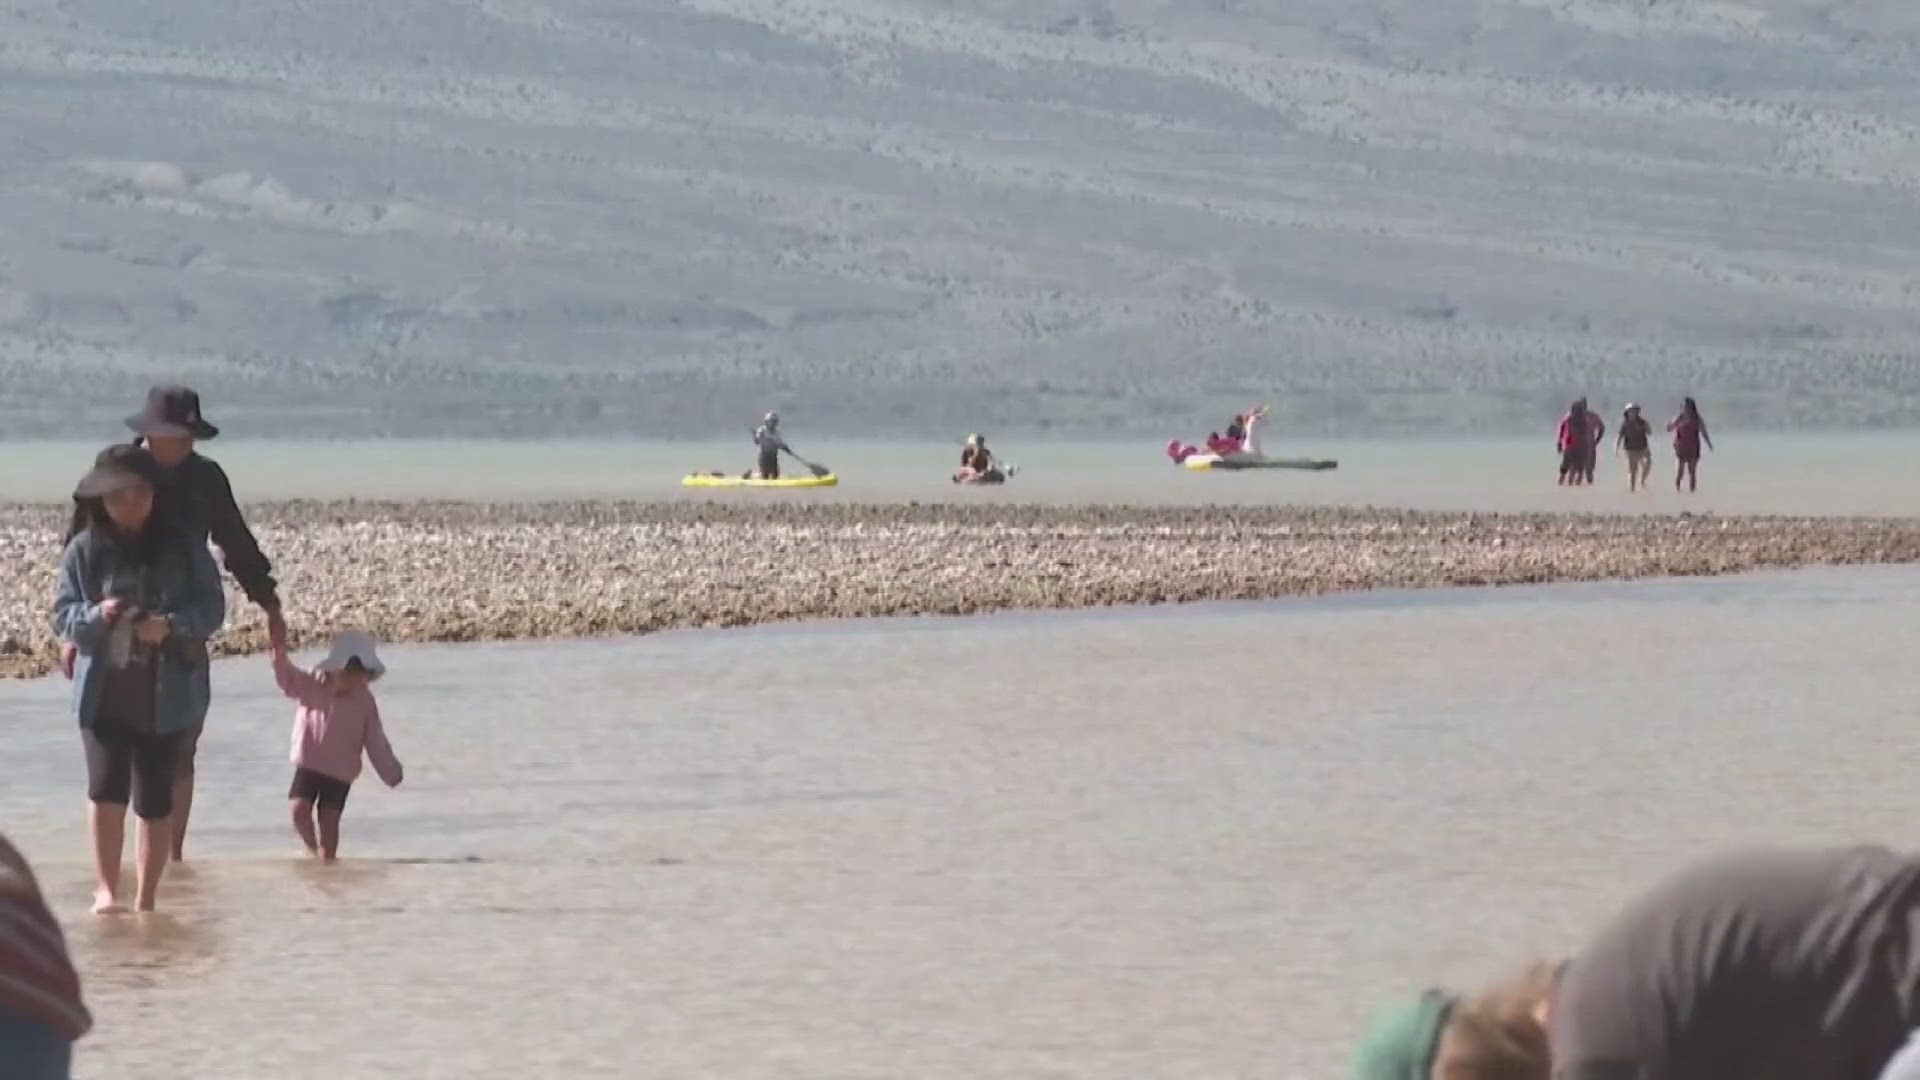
(1779, 964)
(41, 1011)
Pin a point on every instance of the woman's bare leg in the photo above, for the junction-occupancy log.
(329, 834)
(303, 824)
(108, 823)
(182, 809)
(154, 845)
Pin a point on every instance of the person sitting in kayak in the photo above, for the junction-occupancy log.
(977, 465)
(1228, 443)
(767, 438)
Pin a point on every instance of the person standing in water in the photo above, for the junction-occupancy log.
(1574, 440)
(1689, 431)
(767, 438)
(138, 597)
(42, 1013)
(1634, 440)
(1596, 437)
(337, 724)
(193, 492)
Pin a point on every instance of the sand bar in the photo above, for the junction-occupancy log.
(449, 572)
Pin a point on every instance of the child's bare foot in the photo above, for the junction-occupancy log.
(105, 903)
(329, 857)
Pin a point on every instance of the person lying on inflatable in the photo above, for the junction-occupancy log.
(1239, 439)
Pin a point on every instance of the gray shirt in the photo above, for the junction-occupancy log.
(1765, 965)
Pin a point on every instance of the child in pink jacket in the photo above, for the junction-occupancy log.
(336, 723)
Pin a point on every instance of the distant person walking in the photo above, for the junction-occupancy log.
(193, 492)
(1596, 436)
(1689, 432)
(138, 597)
(1575, 443)
(1635, 441)
(42, 1013)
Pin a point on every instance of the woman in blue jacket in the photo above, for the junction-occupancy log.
(138, 598)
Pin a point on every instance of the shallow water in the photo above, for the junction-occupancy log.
(1750, 473)
(1177, 842)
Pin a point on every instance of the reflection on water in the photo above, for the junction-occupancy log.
(150, 950)
(1177, 842)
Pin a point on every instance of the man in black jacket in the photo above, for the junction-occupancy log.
(195, 494)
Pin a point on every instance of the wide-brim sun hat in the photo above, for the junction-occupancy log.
(354, 645)
(172, 411)
(118, 467)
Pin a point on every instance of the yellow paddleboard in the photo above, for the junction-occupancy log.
(718, 480)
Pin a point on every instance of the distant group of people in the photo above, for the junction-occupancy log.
(137, 599)
(1582, 432)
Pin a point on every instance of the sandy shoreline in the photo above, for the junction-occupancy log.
(453, 572)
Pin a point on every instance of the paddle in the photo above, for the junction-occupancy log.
(818, 470)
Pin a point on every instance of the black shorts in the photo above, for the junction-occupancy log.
(769, 465)
(320, 789)
(122, 764)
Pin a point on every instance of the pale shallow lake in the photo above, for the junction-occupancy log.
(1751, 473)
(1182, 842)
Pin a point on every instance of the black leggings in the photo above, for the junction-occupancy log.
(120, 763)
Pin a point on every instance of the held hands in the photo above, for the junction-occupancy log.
(111, 608)
(153, 629)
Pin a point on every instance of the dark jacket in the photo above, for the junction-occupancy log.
(177, 579)
(197, 498)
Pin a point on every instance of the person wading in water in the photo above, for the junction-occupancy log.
(1689, 431)
(1575, 443)
(1634, 441)
(193, 492)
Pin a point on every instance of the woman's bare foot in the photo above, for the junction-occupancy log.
(144, 904)
(105, 903)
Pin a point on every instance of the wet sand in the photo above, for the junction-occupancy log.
(451, 572)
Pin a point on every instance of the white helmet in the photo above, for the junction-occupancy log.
(772, 419)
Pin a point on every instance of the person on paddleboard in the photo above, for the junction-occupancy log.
(767, 438)
(1776, 964)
